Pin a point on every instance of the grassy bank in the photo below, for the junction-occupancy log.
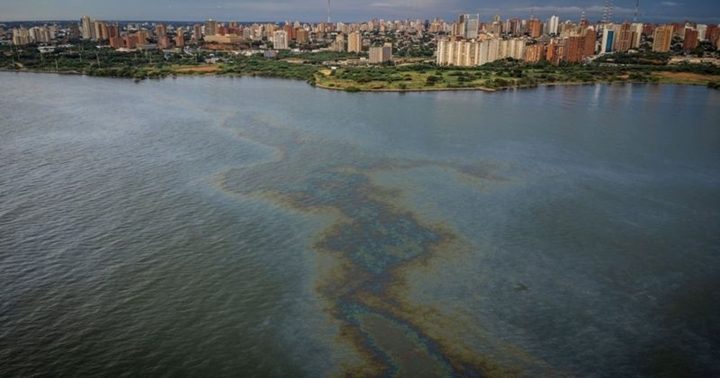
(88, 60)
(504, 75)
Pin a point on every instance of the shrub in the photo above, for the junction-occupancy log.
(432, 80)
(498, 83)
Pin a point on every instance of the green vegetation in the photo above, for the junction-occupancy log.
(511, 74)
(645, 58)
(259, 66)
(714, 85)
(318, 57)
(87, 59)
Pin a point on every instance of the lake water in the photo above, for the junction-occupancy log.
(256, 227)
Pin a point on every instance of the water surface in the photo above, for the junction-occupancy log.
(216, 226)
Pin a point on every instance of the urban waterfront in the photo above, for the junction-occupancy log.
(260, 227)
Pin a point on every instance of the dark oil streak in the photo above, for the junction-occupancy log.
(376, 241)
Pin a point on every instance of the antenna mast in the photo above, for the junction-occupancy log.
(328, 11)
(608, 12)
(637, 10)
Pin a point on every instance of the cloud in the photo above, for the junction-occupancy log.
(345, 10)
(571, 9)
(381, 5)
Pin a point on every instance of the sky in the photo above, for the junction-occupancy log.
(707, 11)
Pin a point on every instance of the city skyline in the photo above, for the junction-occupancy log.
(343, 10)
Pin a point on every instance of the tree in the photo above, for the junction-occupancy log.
(432, 80)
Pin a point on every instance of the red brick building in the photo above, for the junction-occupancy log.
(691, 40)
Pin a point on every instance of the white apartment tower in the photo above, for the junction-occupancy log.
(553, 25)
(280, 40)
(86, 28)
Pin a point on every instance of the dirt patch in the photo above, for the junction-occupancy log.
(198, 69)
(687, 77)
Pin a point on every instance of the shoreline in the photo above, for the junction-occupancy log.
(416, 90)
(379, 90)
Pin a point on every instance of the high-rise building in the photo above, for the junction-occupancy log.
(517, 48)
(280, 40)
(648, 29)
(234, 28)
(534, 53)
(104, 30)
(211, 27)
(100, 31)
(610, 34)
(86, 28)
(302, 35)
(678, 29)
(180, 38)
(290, 30)
(516, 27)
(164, 43)
(381, 54)
(590, 42)
(97, 31)
(21, 36)
(468, 53)
(574, 52)
(142, 37)
(444, 52)
(691, 40)
(637, 28)
(535, 28)
(493, 48)
(459, 26)
(130, 41)
(553, 24)
(160, 30)
(113, 31)
(197, 32)
(713, 34)
(114, 38)
(662, 38)
(625, 39)
(702, 30)
(436, 26)
(116, 42)
(355, 42)
(339, 44)
(552, 53)
(472, 26)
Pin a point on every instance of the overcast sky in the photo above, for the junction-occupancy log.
(347, 10)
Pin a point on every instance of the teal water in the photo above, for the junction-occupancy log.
(256, 227)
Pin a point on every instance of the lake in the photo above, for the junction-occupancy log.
(256, 227)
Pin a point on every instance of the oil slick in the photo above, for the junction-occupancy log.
(374, 243)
